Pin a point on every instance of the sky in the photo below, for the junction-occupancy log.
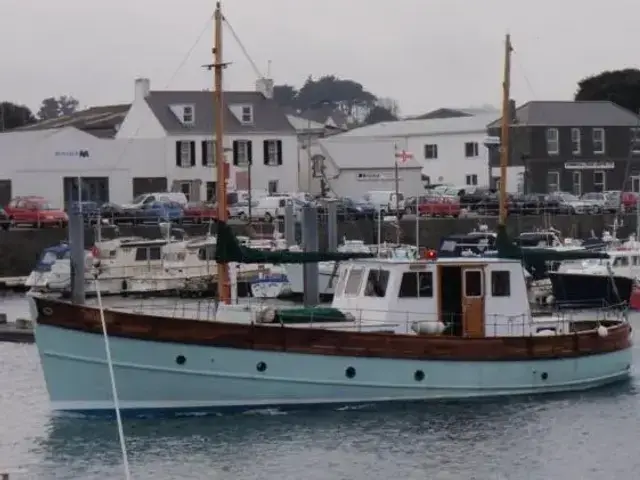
(425, 54)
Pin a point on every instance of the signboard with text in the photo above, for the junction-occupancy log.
(589, 165)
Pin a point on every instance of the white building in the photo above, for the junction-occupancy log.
(164, 141)
(257, 132)
(450, 150)
(353, 167)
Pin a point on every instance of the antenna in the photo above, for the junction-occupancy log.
(268, 68)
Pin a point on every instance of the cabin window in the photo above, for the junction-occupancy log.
(207, 253)
(621, 262)
(416, 284)
(141, 254)
(354, 281)
(340, 284)
(473, 283)
(635, 260)
(377, 282)
(500, 283)
(155, 253)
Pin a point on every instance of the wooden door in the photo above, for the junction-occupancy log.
(473, 302)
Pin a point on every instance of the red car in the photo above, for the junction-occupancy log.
(200, 212)
(439, 206)
(35, 211)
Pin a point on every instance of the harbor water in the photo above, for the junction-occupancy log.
(588, 435)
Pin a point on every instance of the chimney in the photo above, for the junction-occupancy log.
(142, 86)
(265, 87)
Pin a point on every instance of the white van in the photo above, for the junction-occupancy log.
(242, 196)
(146, 198)
(385, 201)
(272, 207)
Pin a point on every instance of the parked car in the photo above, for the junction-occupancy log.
(35, 211)
(157, 212)
(5, 221)
(527, 204)
(356, 208)
(594, 201)
(472, 198)
(200, 212)
(620, 201)
(568, 203)
(434, 205)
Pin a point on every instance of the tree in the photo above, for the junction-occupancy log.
(285, 95)
(13, 116)
(53, 107)
(346, 95)
(379, 114)
(621, 87)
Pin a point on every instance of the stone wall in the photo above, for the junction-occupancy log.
(20, 248)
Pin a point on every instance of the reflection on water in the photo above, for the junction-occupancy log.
(573, 436)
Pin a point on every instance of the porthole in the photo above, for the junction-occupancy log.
(350, 372)
(181, 360)
(544, 375)
(261, 366)
(418, 376)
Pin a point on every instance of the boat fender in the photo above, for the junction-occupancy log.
(547, 332)
(124, 285)
(550, 299)
(268, 315)
(432, 328)
(602, 331)
(350, 316)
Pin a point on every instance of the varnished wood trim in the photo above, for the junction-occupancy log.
(329, 342)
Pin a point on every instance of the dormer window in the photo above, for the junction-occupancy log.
(247, 114)
(187, 115)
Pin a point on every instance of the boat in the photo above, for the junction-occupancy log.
(327, 271)
(397, 330)
(597, 282)
(40, 276)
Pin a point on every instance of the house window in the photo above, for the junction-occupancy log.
(575, 141)
(635, 140)
(598, 140)
(431, 151)
(211, 192)
(472, 179)
(471, 149)
(242, 153)
(577, 183)
(553, 182)
(635, 184)
(185, 154)
(187, 114)
(185, 187)
(272, 152)
(599, 181)
(273, 187)
(553, 141)
(500, 283)
(247, 114)
(208, 153)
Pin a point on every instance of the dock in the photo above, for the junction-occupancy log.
(20, 331)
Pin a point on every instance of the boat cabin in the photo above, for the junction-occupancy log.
(470, 297)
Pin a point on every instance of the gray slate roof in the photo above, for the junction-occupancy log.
(364, 154)
(268, 116)
(573, 114)
(101, 122)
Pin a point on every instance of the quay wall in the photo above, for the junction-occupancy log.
(20, 248)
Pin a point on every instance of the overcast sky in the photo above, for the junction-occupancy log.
(424, 53)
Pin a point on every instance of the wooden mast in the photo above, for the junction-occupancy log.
(224, 287)
(504, 134)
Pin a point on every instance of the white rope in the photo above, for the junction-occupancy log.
(114, 390)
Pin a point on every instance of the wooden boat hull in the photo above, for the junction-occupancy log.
(249, 366)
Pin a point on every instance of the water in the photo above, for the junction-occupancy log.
(575, 436)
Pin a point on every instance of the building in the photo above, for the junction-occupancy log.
(49, 162)
(162, 141)
(353, 167)
(575, 147)
(260, 141)
(450, 150)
